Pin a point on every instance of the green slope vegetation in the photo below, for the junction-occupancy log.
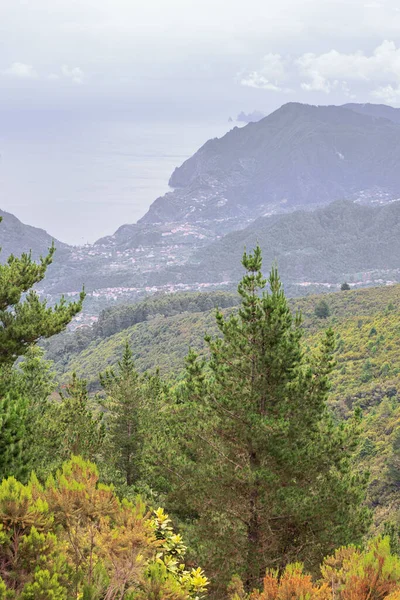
(160, 330)
(367, 373)
(160, 343)
(147, 325)
(340, 241)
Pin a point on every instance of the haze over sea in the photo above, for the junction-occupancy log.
(80, 177)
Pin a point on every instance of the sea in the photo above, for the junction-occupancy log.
(80, 177)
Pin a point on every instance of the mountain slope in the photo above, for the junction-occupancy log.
(314, 250)
(342, 241)
(161, 330)
(366, 374)
(298, 156)
(16, 237)
(379, 111)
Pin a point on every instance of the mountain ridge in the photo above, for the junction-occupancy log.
(315, 153)
(17, 237)
(299, 155)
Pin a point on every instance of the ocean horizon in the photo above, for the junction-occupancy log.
(81, 179)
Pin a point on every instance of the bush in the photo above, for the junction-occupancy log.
(74, 538)
(350, 574)
(322, 310)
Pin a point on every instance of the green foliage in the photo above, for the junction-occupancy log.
(260, 458)
(44, 587)
(243, 448)
(366, 376)
(59, 426)
(74, 538)
(171, 556)
(129, 397)
(392, 531)
(35, 377)
(13, 432)
(345, 287)
(149, 339)
(322, 310)
(115, 320)
(73, 427)
(34, 381)
(24, 318)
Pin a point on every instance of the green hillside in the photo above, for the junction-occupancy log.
(160, 330)
(253, 438)
(367, 374)
(342, 241)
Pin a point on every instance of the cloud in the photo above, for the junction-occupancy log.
(21, 70)
(269, 76)
(328, 71)
(347, 74)
(387, 94)
(75, 74)
(25, 71)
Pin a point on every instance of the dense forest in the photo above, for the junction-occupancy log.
(235, 446)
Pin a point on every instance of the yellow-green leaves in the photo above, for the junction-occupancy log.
(74, 538)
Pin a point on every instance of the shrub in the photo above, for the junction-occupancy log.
(322, 310)
(74, 538)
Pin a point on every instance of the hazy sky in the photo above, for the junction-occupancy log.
(195, 56)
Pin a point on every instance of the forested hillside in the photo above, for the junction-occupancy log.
(258, 183)
(343, 241)
(272, 439)
(160, 330)
(366, 323)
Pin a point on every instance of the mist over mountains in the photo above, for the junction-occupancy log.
(16, 237)
(298, 156)
(343, 241)
(262, 183)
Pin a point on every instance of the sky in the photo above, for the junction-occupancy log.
(196, 57)
(100, 99)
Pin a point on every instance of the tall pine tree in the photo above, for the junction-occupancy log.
(262, 468)
(129, 401)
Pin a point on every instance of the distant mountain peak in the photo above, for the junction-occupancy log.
(300, 155)
(16, 237)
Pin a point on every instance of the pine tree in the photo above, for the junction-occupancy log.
(24, 318)
(34, 381)
(35, 377)
(125, 402)
(13, 431)
(322, 310)
(263, 470)
(72, 426)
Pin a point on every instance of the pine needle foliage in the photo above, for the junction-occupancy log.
(264, 473)
(125, 400)
(24, 318)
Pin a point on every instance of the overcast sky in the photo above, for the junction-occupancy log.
(172, 56)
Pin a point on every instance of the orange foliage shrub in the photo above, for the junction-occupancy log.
(350, 574)
(372, 574)
(294, 584)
